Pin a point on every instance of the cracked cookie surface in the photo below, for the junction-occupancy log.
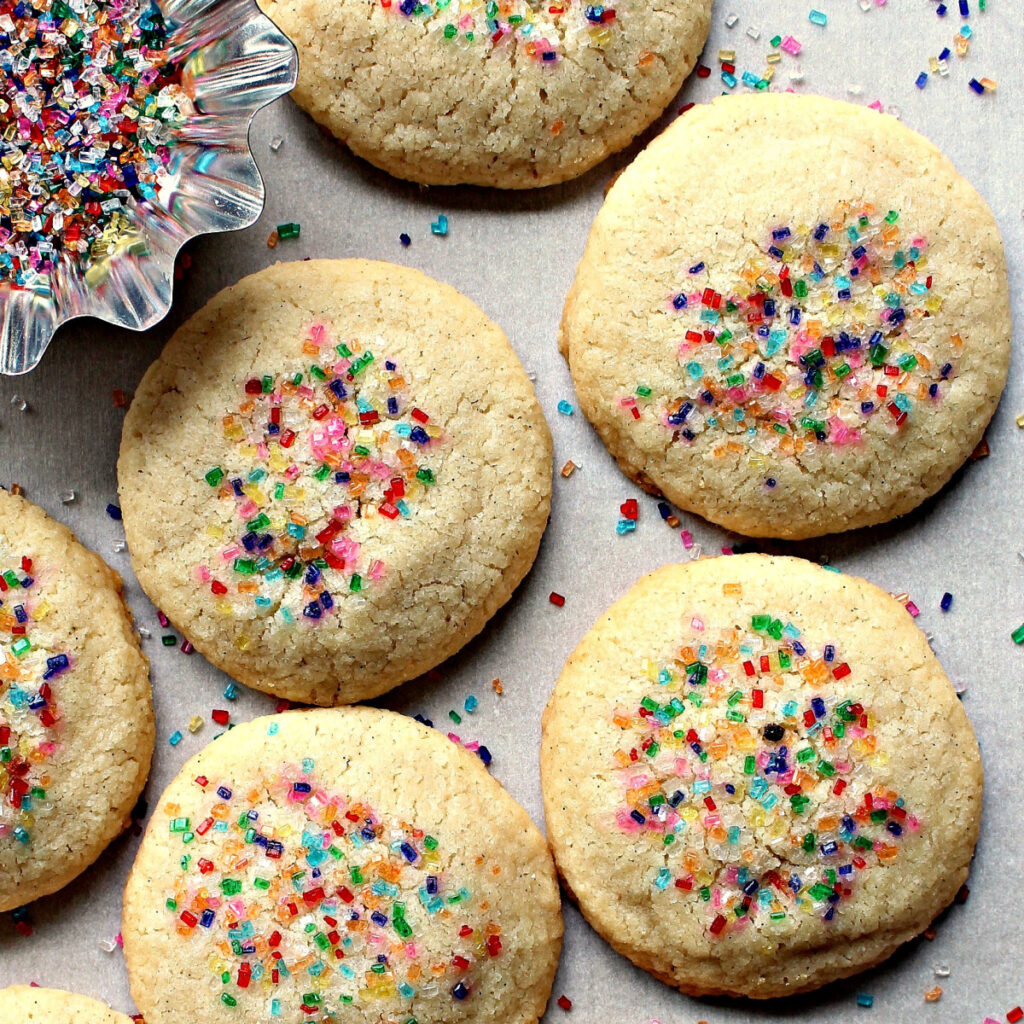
(340, 865)
(29, 1004)
(516, 94)
(757, 778)
(333, 476)
(76, 709)
(796, 345)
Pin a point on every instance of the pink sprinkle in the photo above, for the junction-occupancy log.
(791, 46)
(687, 539)
(877, 105)
(913, 609)
(727, 551)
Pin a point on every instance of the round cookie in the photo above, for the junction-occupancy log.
(26, 1004)
(76, 710)
(757, 778)
(517, 95)
(808, 340)
(333, 476)
(343, 865)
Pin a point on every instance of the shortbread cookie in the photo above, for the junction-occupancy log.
(791, 317)
(343, 865)
(26, 1004)
(757, 777)
(76, 710)
(518, 94)
(333, 476)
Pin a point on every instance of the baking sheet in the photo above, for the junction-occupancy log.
(515, 255)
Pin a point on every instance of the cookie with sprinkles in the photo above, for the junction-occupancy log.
(333, 476)
(757, 777)
(340, 865)
(28, 1004)
(791, 317)
(509, 93)
(76, 712)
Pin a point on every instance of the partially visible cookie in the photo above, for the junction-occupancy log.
(798, 343)
(76, 711)
(340, 865)
(334, 475)
(517, 95)
(26, 1004)
(757, 777)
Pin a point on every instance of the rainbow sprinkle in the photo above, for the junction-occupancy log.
(29, 715)
(310, 902)
(316, 455)
(540, 28)
(87, 125)
(750, 766)
(818, 335)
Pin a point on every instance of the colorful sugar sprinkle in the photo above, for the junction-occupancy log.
(88, 124)
(309, 902)
(749, 763)
(817, 340)
(318, 457)
(30, 673)
(541, 29)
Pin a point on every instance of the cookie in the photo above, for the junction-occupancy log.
(791, 317)
(340, 865)
(76, 710)
(516, 95)
(26, 1004)
(333, 476)
(757, 777)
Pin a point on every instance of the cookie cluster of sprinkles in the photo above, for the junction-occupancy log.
(816, 338)
(314, 455)
(752, 766)
(88, 117)
(29, 713)
(311, 902)
(542, 28)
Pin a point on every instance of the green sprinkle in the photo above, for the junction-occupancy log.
(289, 230)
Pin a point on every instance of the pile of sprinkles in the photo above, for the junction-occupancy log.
(814, 339)
(542, 29)
(88, 121)
(29, 713)
(750, 763)
(313, 453)
(310, 902)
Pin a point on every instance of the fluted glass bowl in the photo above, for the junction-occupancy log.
(234, 61)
